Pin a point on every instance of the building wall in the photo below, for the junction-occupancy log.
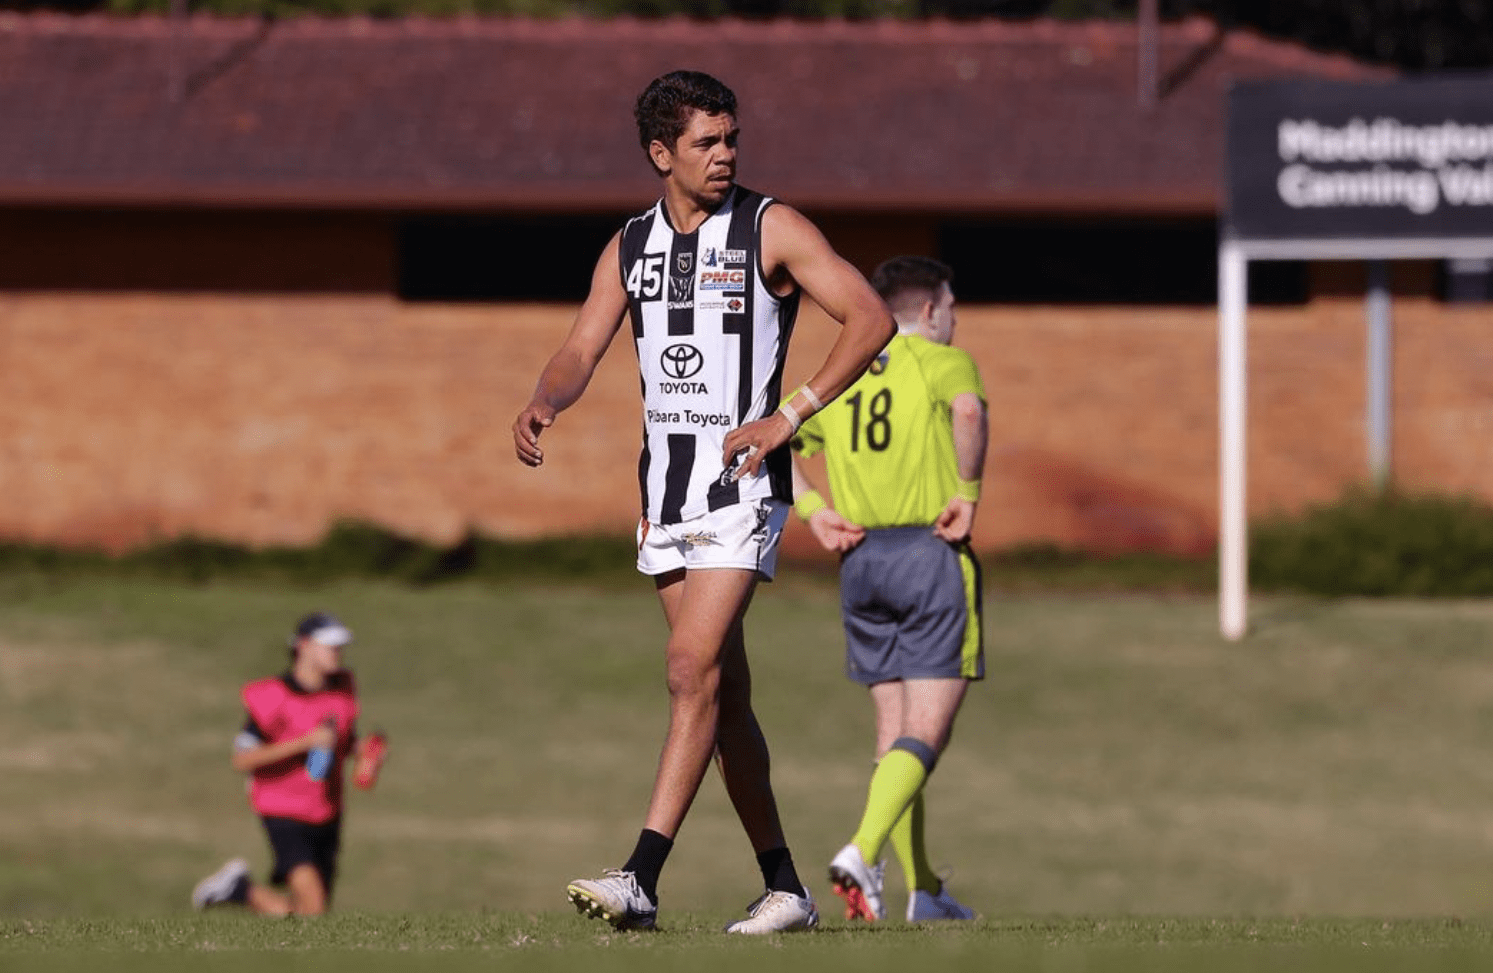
(263, 418)
(251, 377)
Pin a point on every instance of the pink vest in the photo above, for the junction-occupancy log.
(283, 789)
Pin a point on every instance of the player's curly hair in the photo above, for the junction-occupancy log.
(663, 109)
(908, 282)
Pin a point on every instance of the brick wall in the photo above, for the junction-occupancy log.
(263, 417)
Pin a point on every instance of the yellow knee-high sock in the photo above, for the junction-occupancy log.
(907, 842)
(898, 778)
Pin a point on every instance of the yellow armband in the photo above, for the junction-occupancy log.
(968, 490)
(808, 503)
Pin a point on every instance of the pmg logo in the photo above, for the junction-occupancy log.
(681, 361)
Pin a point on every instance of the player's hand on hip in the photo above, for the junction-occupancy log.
(834, 532)
(956, 521)
(750, 444)
(526, 429)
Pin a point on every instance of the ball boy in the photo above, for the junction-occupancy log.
(301, 727)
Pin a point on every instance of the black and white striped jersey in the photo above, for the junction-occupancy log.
(711, 340)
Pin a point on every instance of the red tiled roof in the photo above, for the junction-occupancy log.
(497, 113)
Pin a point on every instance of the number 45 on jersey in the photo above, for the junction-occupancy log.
(646, 279)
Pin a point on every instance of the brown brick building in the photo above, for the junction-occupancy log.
(255, 277)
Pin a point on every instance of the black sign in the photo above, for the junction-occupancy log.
(1320, 159)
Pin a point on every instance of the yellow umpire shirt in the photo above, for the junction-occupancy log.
(888, 442)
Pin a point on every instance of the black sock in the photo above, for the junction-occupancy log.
(240, 893)
(778, 873)
(648, 859)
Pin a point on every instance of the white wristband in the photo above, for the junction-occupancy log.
(791, 414)
(813, 399)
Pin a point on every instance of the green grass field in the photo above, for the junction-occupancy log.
(1126, 790)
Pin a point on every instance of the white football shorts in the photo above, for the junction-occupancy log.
(743, 535)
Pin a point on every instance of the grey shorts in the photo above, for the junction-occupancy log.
(912, 608)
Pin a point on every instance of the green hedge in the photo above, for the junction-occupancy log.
(361, 550)
(1048, 567)
(350, 550)
(1369, 542)
(1378, 542)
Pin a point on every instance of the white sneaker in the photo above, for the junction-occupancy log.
(219, 887)
(779, 912)
(615, 897)
(858, 884)
(928, 906)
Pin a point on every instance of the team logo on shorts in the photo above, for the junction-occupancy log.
(700, 538)
(759, 533)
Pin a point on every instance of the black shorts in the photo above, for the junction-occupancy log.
(298, 843)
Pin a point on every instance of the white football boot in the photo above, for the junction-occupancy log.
(615, 897)
(778, 912)
(219, 887)
(930, 906)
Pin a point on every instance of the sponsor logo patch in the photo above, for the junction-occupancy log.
(681, 361)
(689, 417)
(714, 258)
(681, 292)
(699, 538)
(722, 280)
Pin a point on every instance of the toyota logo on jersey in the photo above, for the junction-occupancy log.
(681, 361)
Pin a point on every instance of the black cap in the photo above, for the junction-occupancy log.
(324, 627)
